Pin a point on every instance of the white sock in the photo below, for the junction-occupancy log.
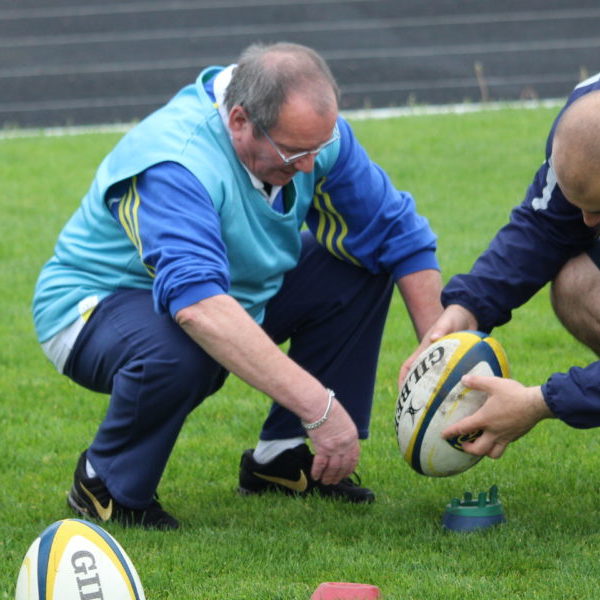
(89, 470)
(267, 450)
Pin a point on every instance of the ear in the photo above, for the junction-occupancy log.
(238, 120)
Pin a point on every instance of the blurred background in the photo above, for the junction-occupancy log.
(75, 62)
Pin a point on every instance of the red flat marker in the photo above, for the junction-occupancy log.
(346, 591)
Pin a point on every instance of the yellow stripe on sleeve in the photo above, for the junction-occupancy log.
(128, 217)
(135, 226)
(337, 230)
(124, 217)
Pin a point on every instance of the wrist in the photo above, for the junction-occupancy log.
(539, 404)
(311, 426)
(463, 315)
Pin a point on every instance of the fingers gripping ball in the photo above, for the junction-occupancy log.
(433, 397)
(77, 560)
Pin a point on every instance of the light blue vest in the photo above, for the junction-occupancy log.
(94, 256)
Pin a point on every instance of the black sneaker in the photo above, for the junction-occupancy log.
(289, 472)
(89, 497)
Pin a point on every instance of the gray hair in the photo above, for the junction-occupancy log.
(266, 75)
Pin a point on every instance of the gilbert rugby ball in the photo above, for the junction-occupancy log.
(77, 560)
(433, 397)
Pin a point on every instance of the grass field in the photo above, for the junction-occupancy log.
(466, 173)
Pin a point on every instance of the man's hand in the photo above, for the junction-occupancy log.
(336, 447)
(509, 412)
(454, 318)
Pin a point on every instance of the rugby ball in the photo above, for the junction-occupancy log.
(432, 397)
(74, 559)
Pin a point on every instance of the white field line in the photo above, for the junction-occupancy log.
(356, 115)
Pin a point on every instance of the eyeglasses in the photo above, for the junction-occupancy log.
(288, 160)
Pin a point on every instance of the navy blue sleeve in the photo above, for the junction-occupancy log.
(543, 233)
(171, 219)
(574, 397)
(359, 216)
(524, 255)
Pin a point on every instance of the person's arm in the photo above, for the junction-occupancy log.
(574, 396)
(421, 292)
(225, 331)
(543, 233)
(359, 216)
(170, 218)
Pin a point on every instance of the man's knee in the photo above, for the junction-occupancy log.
(575, 282)
(575, 296)
(187, 374)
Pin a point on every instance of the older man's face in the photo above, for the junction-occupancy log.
(299, 129)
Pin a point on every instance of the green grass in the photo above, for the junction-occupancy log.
(466, 173)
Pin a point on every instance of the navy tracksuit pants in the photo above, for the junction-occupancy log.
(332, 312)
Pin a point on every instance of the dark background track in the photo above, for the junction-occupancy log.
(65, 62)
